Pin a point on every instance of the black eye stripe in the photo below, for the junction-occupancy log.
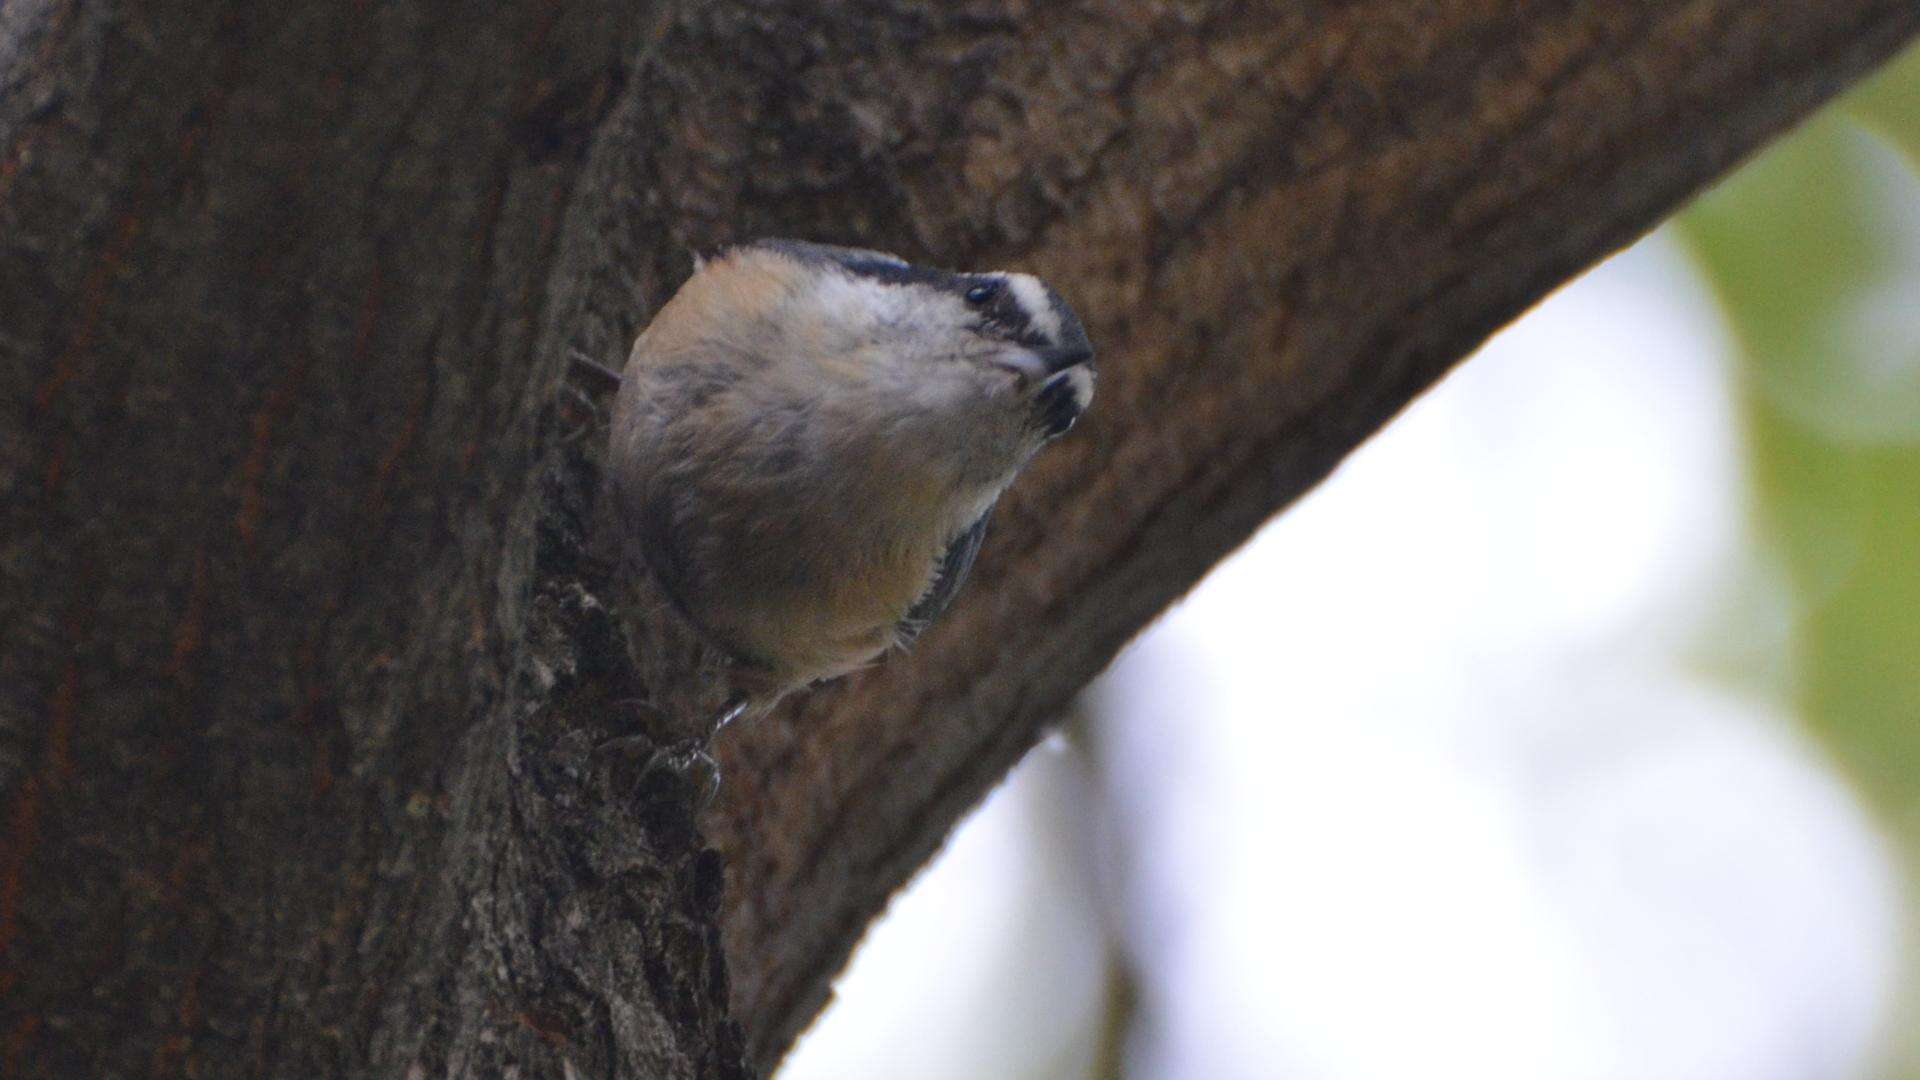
(1010, 319)
(1000, 310)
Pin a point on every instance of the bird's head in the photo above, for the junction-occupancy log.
(932, 335)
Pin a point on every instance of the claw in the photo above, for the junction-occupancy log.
(580, 415)
(678, 766)
(683, 763)
(688, 763)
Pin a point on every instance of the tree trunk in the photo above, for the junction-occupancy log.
(306, 658)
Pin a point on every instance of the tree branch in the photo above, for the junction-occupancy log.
(1293, 222)
(307, 659)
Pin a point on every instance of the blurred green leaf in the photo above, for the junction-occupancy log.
(1814, 251)
(1890, 103)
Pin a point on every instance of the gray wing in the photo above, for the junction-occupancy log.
(946, 581)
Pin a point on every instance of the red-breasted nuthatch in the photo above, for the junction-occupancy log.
(808, 441)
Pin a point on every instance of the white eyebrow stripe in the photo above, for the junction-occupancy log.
(1033, 296)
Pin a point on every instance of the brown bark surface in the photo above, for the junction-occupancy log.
(303, 656)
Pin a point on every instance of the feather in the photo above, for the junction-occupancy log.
(947, 578)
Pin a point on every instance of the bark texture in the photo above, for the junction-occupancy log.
(306, 656)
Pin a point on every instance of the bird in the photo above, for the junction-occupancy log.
(808, 441)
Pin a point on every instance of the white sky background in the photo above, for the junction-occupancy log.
(1419, 784)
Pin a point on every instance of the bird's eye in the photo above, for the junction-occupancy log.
(983, 292)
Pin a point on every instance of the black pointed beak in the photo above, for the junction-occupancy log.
(1069, 347)
(1061, 357)
(1072, 349)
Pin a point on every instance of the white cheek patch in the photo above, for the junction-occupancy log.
(1032, 296)
(866, 306)
(1022, 361)
(854, 301)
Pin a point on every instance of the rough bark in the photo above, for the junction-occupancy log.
(305, 656)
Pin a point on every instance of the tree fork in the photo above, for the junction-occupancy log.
(306, 654)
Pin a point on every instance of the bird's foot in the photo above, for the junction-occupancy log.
(579, 414)
(682, 767)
